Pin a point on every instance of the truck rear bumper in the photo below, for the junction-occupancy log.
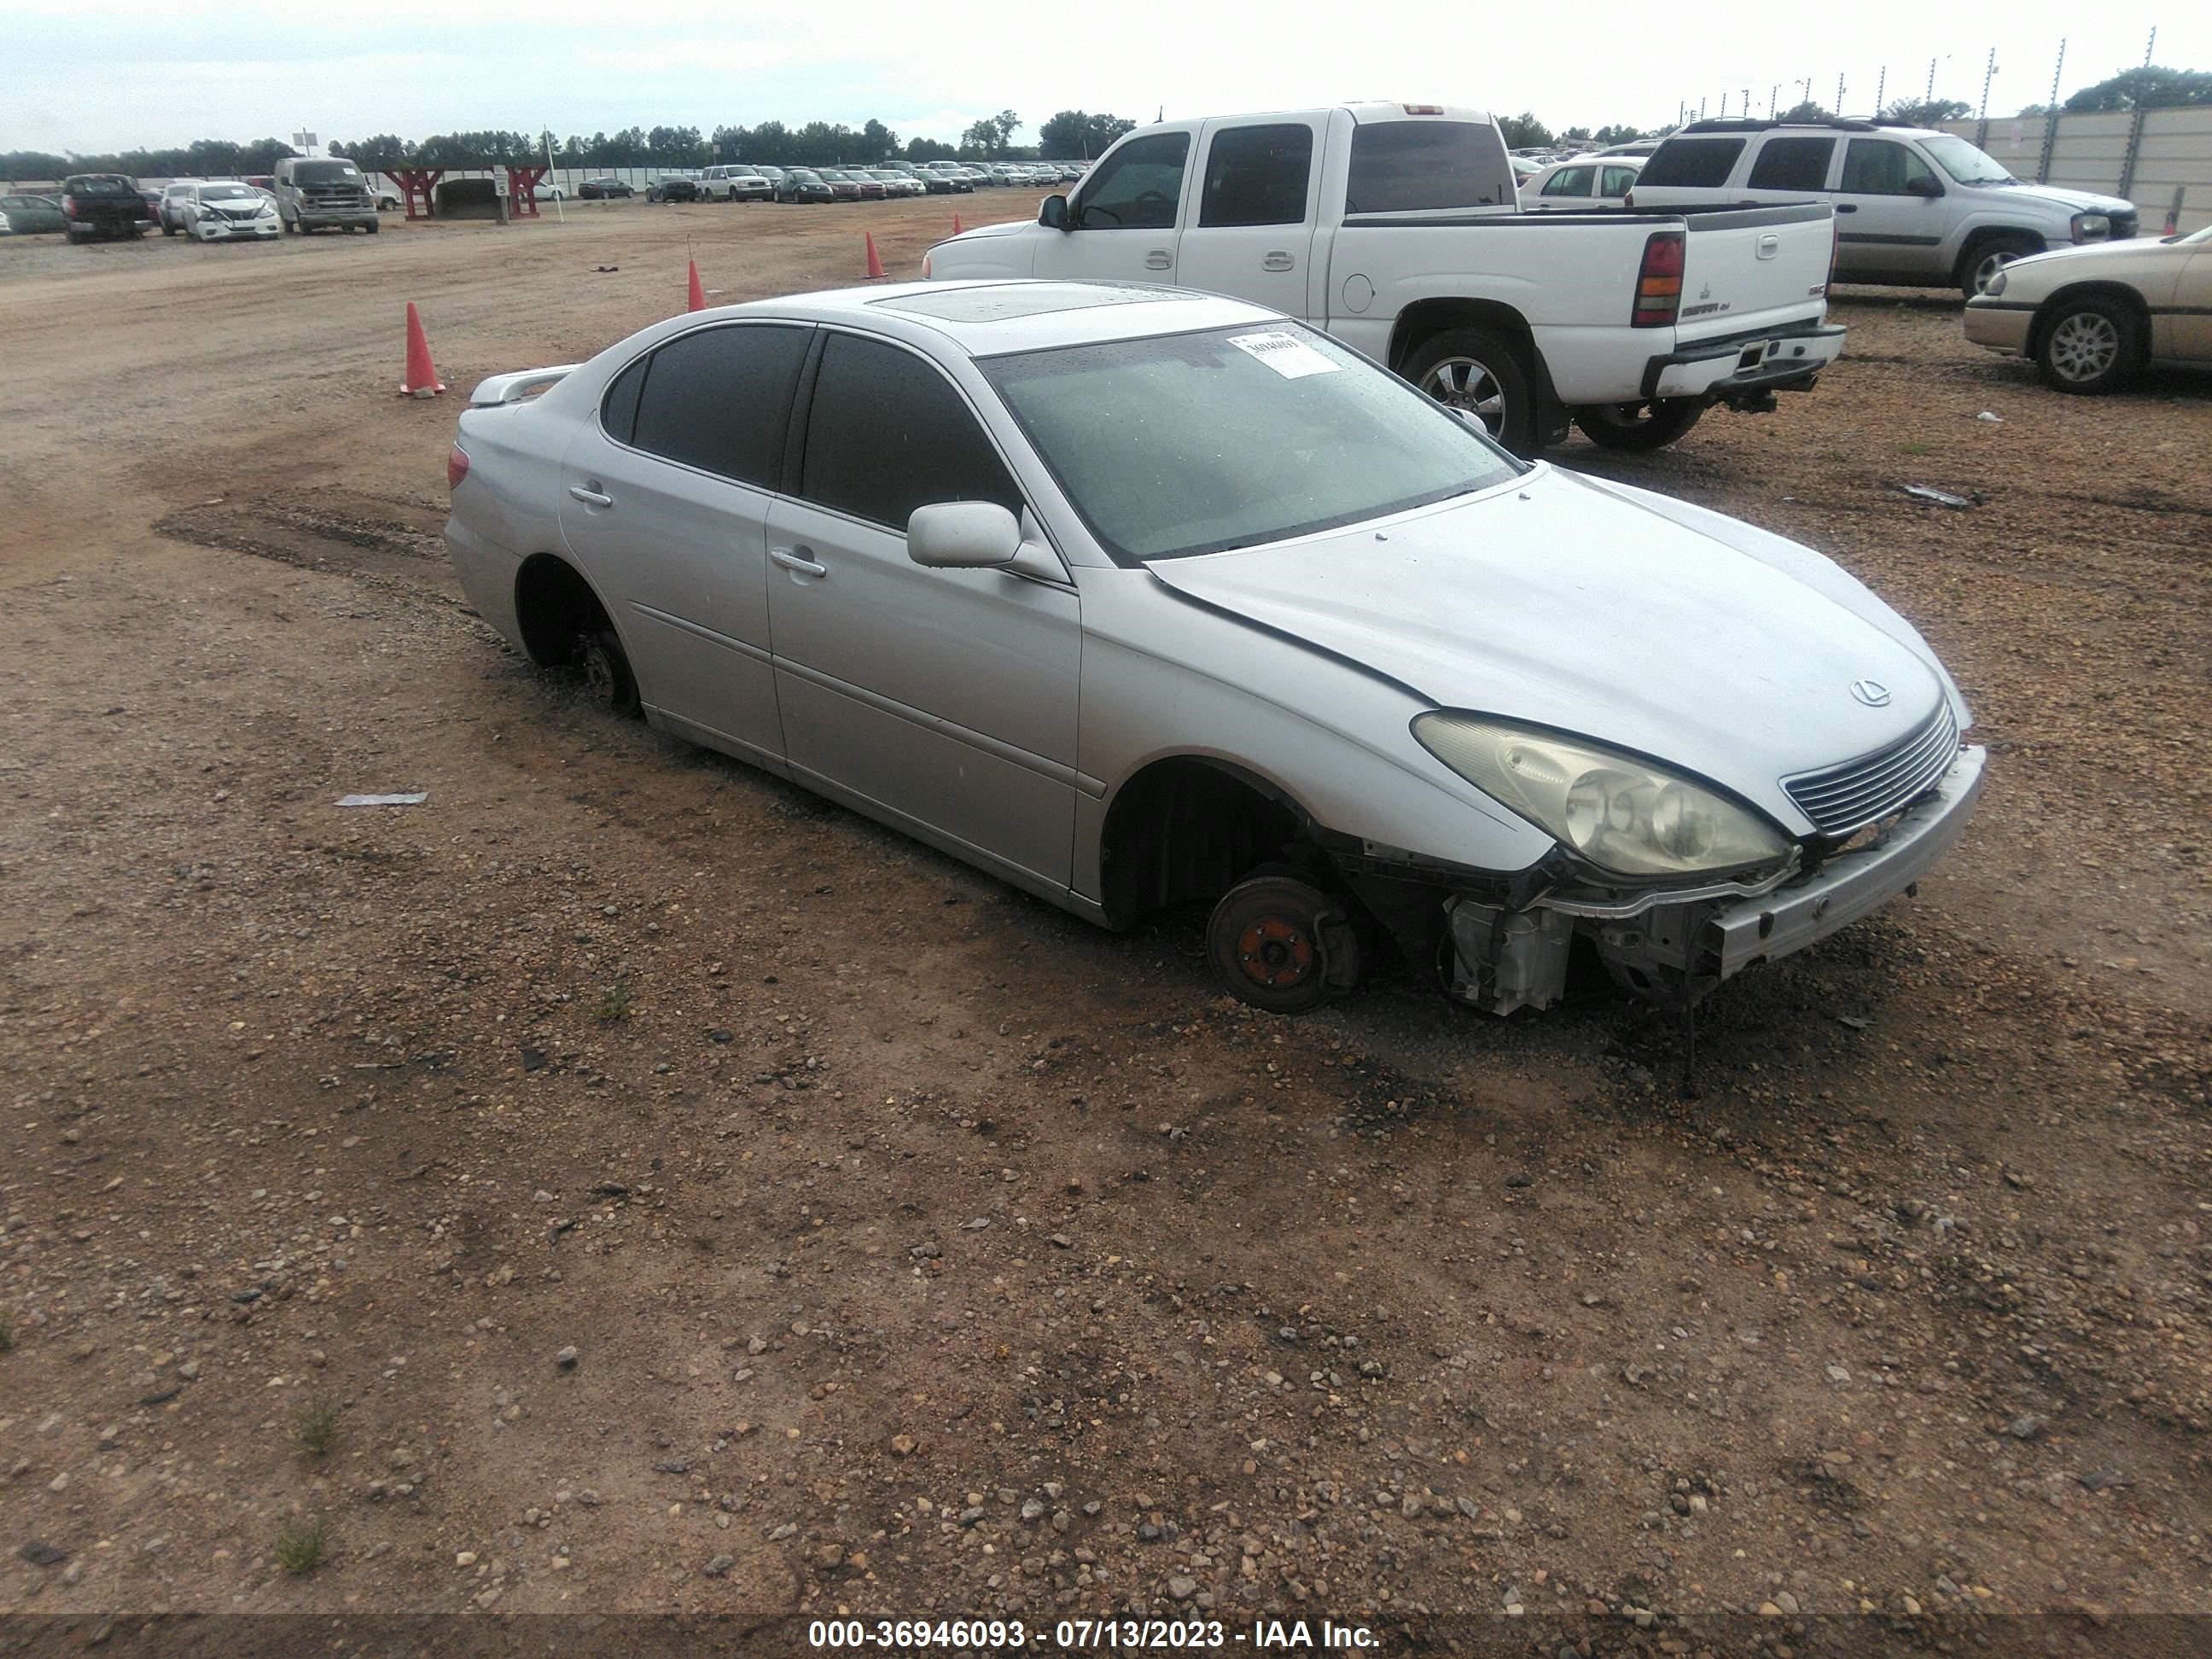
(1767, 359)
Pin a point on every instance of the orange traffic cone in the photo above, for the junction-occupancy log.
(698, 294)
(422, 380)
(956, 224)
(875, 265)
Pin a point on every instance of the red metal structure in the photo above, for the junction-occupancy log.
(415, 185)
(418, 187)
(522, 182)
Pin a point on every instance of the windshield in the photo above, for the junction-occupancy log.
(227, 193)
(1196, 443)
(1964, 162)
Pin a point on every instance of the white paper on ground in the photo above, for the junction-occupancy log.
(384, 800)
(1288, 355)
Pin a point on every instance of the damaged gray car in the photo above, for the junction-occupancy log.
(1140, 599)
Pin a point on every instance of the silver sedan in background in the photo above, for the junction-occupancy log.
(1142, 599)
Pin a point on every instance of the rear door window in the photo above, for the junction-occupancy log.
(1411, 165)
(887, 432)
(718, 400)
(1617, 181)
(1792, 163)
(1137, 187)
(1692, 163)
(1257, 176)
(1570, 181)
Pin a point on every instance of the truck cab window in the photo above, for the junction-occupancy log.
(1257, 176)
(1137, 187)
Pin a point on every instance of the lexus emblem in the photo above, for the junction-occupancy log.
(1873, 693)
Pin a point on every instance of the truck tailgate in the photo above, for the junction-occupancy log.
(1752, 268)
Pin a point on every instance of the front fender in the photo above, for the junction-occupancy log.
(1164, 675)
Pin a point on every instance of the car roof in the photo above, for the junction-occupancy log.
(988, 318)
(1835, 124)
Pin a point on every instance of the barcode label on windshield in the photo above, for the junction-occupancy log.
(1288, 355)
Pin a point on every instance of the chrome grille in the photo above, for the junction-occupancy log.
(1845, 799)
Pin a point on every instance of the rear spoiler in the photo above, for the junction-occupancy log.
(513, 388)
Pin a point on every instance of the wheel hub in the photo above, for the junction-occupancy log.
(1467, 383)
(1275, 952)
(2084, 345)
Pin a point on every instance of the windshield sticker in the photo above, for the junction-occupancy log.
(1288, 355)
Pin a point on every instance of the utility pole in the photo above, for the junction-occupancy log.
(1982, 130)
(1773, 99)
(1928, 96)
(1880, 82)
(1839, 94)
(2051, 116)
(2152, 47)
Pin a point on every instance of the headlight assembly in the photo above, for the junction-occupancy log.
(2092, 227)
(1624, 814)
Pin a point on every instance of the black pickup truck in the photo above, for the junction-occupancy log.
(98, 204)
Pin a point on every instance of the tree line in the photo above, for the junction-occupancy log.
(1071, 135)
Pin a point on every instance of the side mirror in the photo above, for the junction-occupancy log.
(962, 536)
(1053, 215)
(1921, 184)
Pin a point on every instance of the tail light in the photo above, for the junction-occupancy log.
(69, 207)
(1659, 283)
(457, 467)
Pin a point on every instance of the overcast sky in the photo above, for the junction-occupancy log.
(112, 77)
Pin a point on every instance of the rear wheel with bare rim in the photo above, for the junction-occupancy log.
(608, 681)
(1483, 373)
(2088, 346)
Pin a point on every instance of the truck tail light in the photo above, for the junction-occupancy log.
(457, 467)
(1659, 283)
(69, 207)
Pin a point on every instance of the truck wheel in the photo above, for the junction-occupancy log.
(1281, 945)
(1482, 372)
(1638, 428)
(167, 229)
(291, 228)
(1985, 259)
(372, 227)
(2088, 345)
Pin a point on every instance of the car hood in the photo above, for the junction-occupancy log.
(1600, 610)
(2058, 259)
(2073, 201)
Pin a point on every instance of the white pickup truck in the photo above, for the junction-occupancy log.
(1397, 228)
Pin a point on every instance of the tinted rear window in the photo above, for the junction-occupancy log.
(1404, 166)
(104, 184)
(1792, 164)
(718, 400)
(1697, 163)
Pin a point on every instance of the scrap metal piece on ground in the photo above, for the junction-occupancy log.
(416, 799)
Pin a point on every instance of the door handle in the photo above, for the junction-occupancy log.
(799, 559)
(1159, 260)
(1847, 207)
(590, 495)
(1278, 260)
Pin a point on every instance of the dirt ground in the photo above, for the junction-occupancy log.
(922, 1249)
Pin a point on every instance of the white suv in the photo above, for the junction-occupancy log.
(1914, 207)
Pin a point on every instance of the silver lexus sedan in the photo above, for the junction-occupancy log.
(1138, 597)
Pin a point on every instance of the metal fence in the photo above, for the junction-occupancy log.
(2156, 158)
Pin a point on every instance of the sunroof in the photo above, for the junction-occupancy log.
(1000, 302)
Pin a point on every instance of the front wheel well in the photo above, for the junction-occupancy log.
(1187, 829)
(554, 606)
(1982, 236)
(2050, 311)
